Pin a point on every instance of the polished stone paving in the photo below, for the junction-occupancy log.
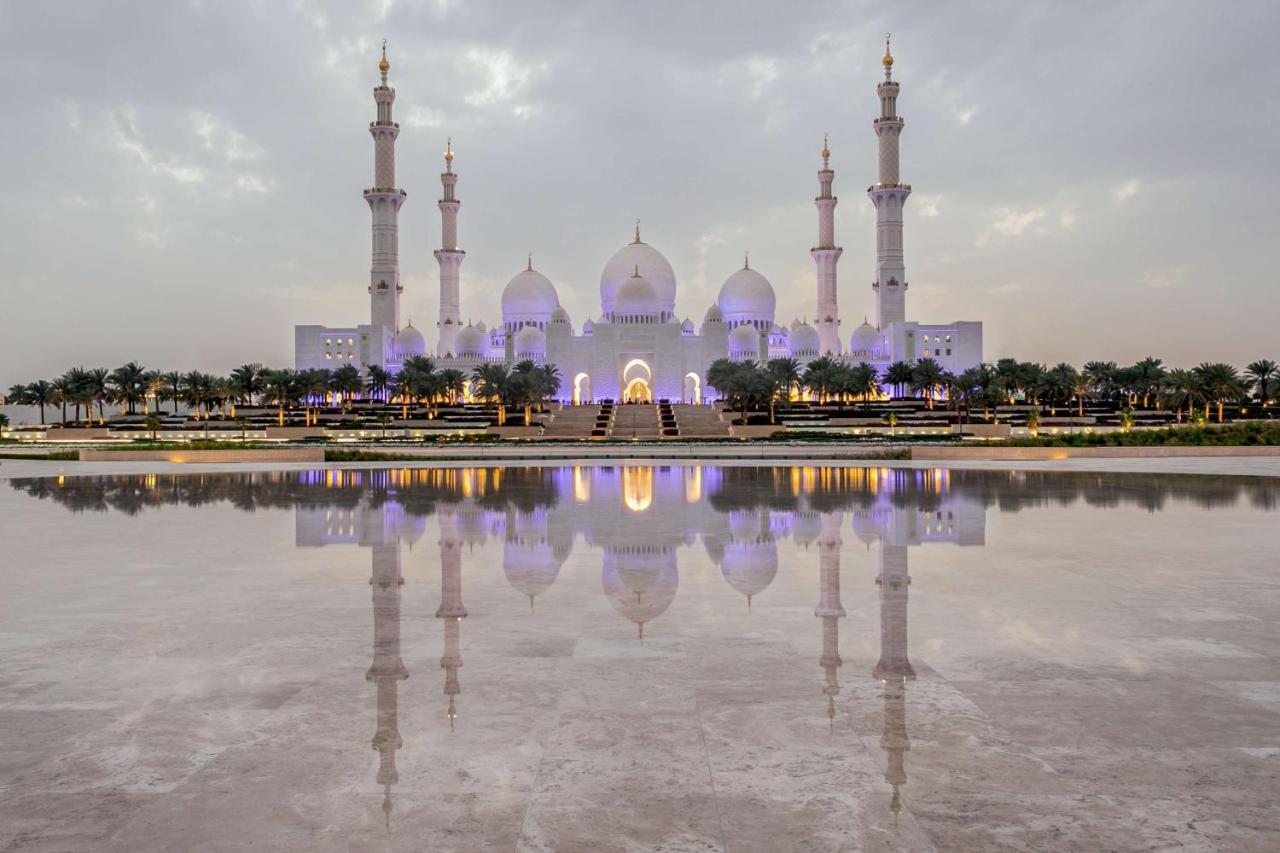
(679, 658)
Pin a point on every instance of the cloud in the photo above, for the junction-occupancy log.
(1127, 190)
(126, 137)
(220, 138)
(927, 206)
(1010, 222)
(761, 71)
(420, 116)
(504, 76)
(964, 116)
(1165, 278)
(1007, 287)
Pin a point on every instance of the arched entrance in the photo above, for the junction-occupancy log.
(637, 391)
(581, 389)
(637, 382)
(692, 389)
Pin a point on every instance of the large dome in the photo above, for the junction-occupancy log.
(530, 342)
(637, 297)
(470, 341)
(653, 267)
(746, 296)
(529, 297)
(409, 342)
(804, 340)
(865, 339)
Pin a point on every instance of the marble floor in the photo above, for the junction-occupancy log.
(628, 658)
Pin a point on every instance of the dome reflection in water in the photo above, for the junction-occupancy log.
(635, 526)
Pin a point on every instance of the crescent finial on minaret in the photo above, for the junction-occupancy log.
(887, 59)
(448, 153)
(383, 65)
(826, 152)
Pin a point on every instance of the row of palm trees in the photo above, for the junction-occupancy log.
(756, 385)
(85, 393)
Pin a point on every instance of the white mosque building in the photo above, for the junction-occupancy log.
(638, 347)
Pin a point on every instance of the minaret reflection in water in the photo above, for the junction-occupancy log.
(636, 521)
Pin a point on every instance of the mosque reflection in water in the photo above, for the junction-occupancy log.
(638, 518)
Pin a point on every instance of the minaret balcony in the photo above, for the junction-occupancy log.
(888, 120)
(384, 191)
(875, 187)
(394, 124)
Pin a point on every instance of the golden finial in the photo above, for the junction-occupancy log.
(826, 153)
(746, 260)
(888, 56)
(384, 66)
(530, 266)
(448, 149)
(637, 230)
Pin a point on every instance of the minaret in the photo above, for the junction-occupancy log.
(384, 202)
(889, 195)
(894, 668)
(387, 670)
(829, 608)
(451, 609)
(825, 255)
(449, 256)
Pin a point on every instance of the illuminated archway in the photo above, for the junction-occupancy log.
(581, 389)
(692, 388)
(638, 391)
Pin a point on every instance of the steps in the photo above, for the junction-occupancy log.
(700, 421)
(638, 421)
(572, 422)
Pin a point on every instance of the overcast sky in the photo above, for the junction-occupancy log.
(181, 181)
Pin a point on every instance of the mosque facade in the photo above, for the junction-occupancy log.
(638, 347)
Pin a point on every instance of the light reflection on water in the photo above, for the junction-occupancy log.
(752, 523)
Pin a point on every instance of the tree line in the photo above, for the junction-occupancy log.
(758, 385)
(85, 393)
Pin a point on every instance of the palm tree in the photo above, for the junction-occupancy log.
(194, 390)
(819, 376)
(1008, 373)
(491, 382)
(16, 395)
(402, 390)
(1183, 388)
(40, 393)
(172, 385)
(1102, 378)
(378, 381)
(926, 374)
(787, 373)
(97, 390)
(1260, 374)
(898, 375)
(247, 382)
(346, 383)
(314, 386)
(128, 386)
(279, 387)
(864, 382)
(1221, 384)
(153, 381)
(61, 394)
(454, 382)
(1148, 373)
(153, 421)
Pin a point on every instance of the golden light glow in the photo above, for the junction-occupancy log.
(693, 484)
(637, 488)
(581, 484)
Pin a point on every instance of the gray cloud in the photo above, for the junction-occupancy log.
(183, 179)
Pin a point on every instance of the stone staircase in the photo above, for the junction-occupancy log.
(700, 421)
(636, 420)
(572, 422)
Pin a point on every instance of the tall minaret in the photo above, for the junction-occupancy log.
(825, 255)
(889, 194)
(450, 258)
(894, 668)
(384, 201)
(451, 609)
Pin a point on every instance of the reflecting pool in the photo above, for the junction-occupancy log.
(640, 658)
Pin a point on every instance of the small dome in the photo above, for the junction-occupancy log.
(744, 341)
(409, 342)
(588, 327)
(530, 342)
(865, 338)
(713, 315)
(529, 296)
(687, 326)
(559, 315)
(482, 327)
(747, 295)
(804, 340)
(749, 567)
(470, 341)
(637, 296)
(652, 266)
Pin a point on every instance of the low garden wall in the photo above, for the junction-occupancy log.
(1032, 454)
(304, 454)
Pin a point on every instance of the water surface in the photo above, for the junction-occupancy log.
(636, 658)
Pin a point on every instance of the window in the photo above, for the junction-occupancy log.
(948, 339)
(948, 351)
(329, 355)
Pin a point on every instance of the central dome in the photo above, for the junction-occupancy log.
(635, 297)
(653, 267)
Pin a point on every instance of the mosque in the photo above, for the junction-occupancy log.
(638, 348)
